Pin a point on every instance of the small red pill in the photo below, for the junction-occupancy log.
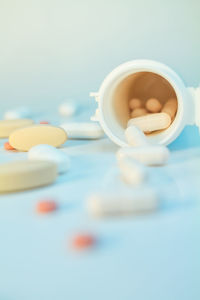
(7, 146)
(46, 206)
(82, 241)
(44, 122)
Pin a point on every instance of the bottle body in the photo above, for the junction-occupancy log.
(144, 79)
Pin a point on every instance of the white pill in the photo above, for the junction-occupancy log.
(148, 155)
(135, 137)
(18, 113)
(88, 130)
(50, 153)
(132, 171)
(151, 122)
(116, 203)
(67, 109)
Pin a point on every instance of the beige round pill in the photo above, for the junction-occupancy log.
(25, 138)
(135, 103)
(138, 112)
(8, 126)
(153, 105)
(26, 174)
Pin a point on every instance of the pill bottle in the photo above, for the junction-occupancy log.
(144, 79)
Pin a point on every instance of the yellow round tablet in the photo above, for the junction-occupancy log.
(8, 126)
(25, 138)
(26, 174)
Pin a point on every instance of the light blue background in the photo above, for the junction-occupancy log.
(52, 50)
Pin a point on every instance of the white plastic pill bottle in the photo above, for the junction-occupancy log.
(144, 79)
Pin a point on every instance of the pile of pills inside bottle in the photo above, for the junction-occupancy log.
(152, 115)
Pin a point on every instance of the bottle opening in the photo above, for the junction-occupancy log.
(142, 86)
(139, 85)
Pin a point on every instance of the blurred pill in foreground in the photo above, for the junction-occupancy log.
(25, 174)
(132, 172)
(83, 241)
(136, 201)
(46, 206)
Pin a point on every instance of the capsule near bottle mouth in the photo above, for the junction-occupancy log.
(145, 79)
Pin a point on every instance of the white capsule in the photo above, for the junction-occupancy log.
(151, 122)
(132, 171)
(50, 153)
(87, 130)
(135, 137)
(67, 109)
(122, 203)
(18, 113)
(148, 155)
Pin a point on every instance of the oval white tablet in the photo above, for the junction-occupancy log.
(25, 138)
(8, 126)
(50, 153)
(83, 130)
(25, 174)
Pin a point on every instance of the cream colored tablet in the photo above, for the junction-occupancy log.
(26, 174)
(8, 126)
(151, 122)
(25, 138)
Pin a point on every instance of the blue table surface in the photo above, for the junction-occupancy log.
(146, 257)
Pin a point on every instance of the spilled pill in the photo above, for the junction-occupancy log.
(46, 206)
(8, 147)
(151, 122)
(80, 130)
(153, 105)
(132, 171)
(50, 153)
(148, 155)
(138, 112)
(18, 113)
(44, 122)
(170, 107)
(25, 138)
(135, 137)
(67, 109)
(26, 174)
(8, 126)
(135, 103)
(83, 241)
(140, 200)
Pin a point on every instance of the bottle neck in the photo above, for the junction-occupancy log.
(195, 96)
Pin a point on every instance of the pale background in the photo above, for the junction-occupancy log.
(52, 50)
